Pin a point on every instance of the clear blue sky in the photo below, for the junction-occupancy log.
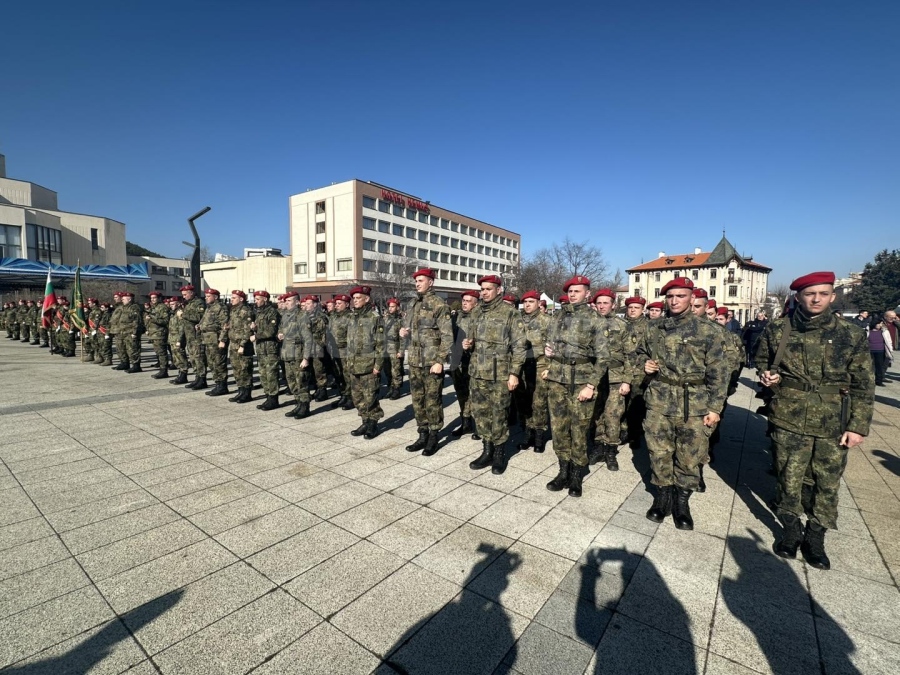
(639, 126)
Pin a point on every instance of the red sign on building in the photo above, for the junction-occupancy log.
(407, 202)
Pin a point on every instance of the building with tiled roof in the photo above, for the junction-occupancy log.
(731, 279)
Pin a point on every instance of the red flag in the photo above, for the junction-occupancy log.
(49, 301)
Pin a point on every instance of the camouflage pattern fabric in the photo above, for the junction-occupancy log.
(338, 322)
(428, 343)
(192, 313)
(296, 346)
(104, 337)
(364, 393)
(268, 325)
(25, 323)
(129, 328)
(459, 361)
(212, 331)
(570, 420)
(318, 326)
(156, 322)
(677, 449)
(393, 345)
(425, 390)
(177, 342)
(365, 350)
(239, 333)
(531, 394)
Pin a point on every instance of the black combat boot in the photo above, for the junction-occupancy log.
(302, 410)
(271, 403)
(321, 394)
(361, 429)
(465, 426)
(431, 444)
(662, 504)
(201, 384)
(161, 374)
(562, 478)
(122, 366)
(484, 459)
(791, 537)
(348, 404)
(155, 364)
(247, 395)
(681, 511)
(528, 440)
(611, 462)
(576, 475)
(702, 486)
(540, 440)
(806, 499)
(181, 378)
(237, 397)
(394, 395)
(338, 403)
(420, 442)
(371, 430)
(221, 389)
(193, 385)
(596, 453)
(813, 547)
(498, 459)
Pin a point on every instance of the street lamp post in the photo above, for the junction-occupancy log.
(195, 258)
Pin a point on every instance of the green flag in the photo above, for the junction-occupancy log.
(77, 310)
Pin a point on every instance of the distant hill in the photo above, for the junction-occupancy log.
(134, 249)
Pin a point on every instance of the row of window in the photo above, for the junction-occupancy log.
(732, 292)
(433, 256)
(385, 227)
(384, 267)
(695, 275)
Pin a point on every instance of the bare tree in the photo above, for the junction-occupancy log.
(549, 268)
(391, 278)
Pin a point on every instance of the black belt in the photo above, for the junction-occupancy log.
(816, 388)
(679, 383)
(572, 362)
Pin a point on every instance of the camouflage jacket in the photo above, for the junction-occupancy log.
(298, 340)
(318, 326)
(114, 316)
(693, 373)
(268, 323)
(130, 319)
(392, 325)
(499, 342)
(34, 316)
(580, 346)
(536, 326)
(177, 327)
(239, 324)
(192, 313)
(635, 330)
(103, 321)
(462, 329)
(614, 330)
(431, 333)
(365, 341)
(734, 348)
(92, 316)
(156, 321)
(823, 355)
(212, 325)
(22, 314)
(338, 323)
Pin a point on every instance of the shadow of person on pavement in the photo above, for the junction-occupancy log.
(471, 634)
(770, 600)
(889, 461)
(83, 657)
(628, 645)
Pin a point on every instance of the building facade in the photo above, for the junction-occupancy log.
(254, 273)
(359, 231)
(732, 280)
(167, 275)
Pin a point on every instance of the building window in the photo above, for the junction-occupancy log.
(320, 208)
(677, 274)
(495, 239)
(480, 234)
(463, 261)
(443, 274)
(384, 227)
(95, 244)
(445, 224)
(423, 218)
(320, 246)
(434, 220)
(368, 224)
(383, 206)
(412, 214)
(176, 285)
(368, 265)
(368, 202)
(10, 241)
(434, 256)
(397, 210)
(320, 267)
(656, 292)
(730, 275)
(712, 291)
(444, 257)
(695, 275)
(656, 276)
(454, 276)
(463, 230)
(732, 292)
(368, 245)
(423, 235)
(713, 273)
(160, 286)
(410, 233)
(454, 227)
(637, 278)
(398, 249)
(454, 260)
(433, 238)
(423, 254)
(300, 268)
(398, 230)
(384, 247)
(44, 244)
(384, 267)
(156, 269)
(480, 249)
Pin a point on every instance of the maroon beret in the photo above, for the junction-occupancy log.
(211, 291)
(240, 294)
(289, 294)
(511, 299)
(722, 311)
(424, 272)
(711, 303)
(564, 299)
(393, 301)
(679, 282)
(812, 279)
(492, 278)
(362, 290)
(604, 293)
(655, 305)
(531, 295)
(189, 287)
(150, 294)
(341, 296)
(260, 294)
(127, 294)
(636, 301)
(575, 281)
(472, 293)
(699, 293)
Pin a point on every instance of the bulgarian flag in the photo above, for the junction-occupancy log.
(49, 301)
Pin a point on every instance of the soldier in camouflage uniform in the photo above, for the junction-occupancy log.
(25, 320)
(297, 348)
(655, 310)
(393, 359)
(34, 320)
(429, 335)
(318, 324)
(240, 351)
(459, 362)
(18, 316)
(118, 336)
(103, 334)
(130, 327)
(734, 349)
(266, 327)
(577, 353)
(156, 323)
(616, 385)
(497, 344)
(824, 390)
(213, 334)
(636, 325)
(364, 356)
(93, 337)
(531, 394)
(685, 357)
(338, 322)
(66, 332)
(177, 340)
(192, 313)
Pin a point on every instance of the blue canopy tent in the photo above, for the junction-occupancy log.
(18, 273)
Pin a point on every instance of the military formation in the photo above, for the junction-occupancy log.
(591, 380)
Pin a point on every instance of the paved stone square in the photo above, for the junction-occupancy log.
(145, 528)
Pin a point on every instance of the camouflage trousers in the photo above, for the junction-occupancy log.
(179, 357)
(25, 332)
(341, 378)
(490, 409)
(105, 349)
(461, 385)
(195, 351)
(531, 398)
(393, 371)
(609, 419)
(425, 390)
(570, 420)
(319, 373)
(241, 366)
(297, 379)
(822, 459)
(43, 336)
(677, 449)
(159, 348)
(364, 392)
(87, 343)
(268, 363)
(121, 349)
(65, 340)
(133, 349)
(215, 358)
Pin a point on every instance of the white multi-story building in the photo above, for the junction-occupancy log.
(167, 275)
(357, 231)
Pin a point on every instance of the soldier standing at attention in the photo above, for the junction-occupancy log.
(616, 385)
(240, 351)
(103, 334)
(655, 310)
(157, 322)
(297, 345)
(92, 317)
(393, 366)
(117, 334)
(531, 394)
(338, 324)
(130, 321)
(578, 352)
(365, 354)
(318, 325)
(25, 320)
(459, 363)
(177, 340)
(821, 375)
(429, 333)
(266, 327)
(636, 325)
(497, 343)
(213, 334)
(192, 313)
(685, 356)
